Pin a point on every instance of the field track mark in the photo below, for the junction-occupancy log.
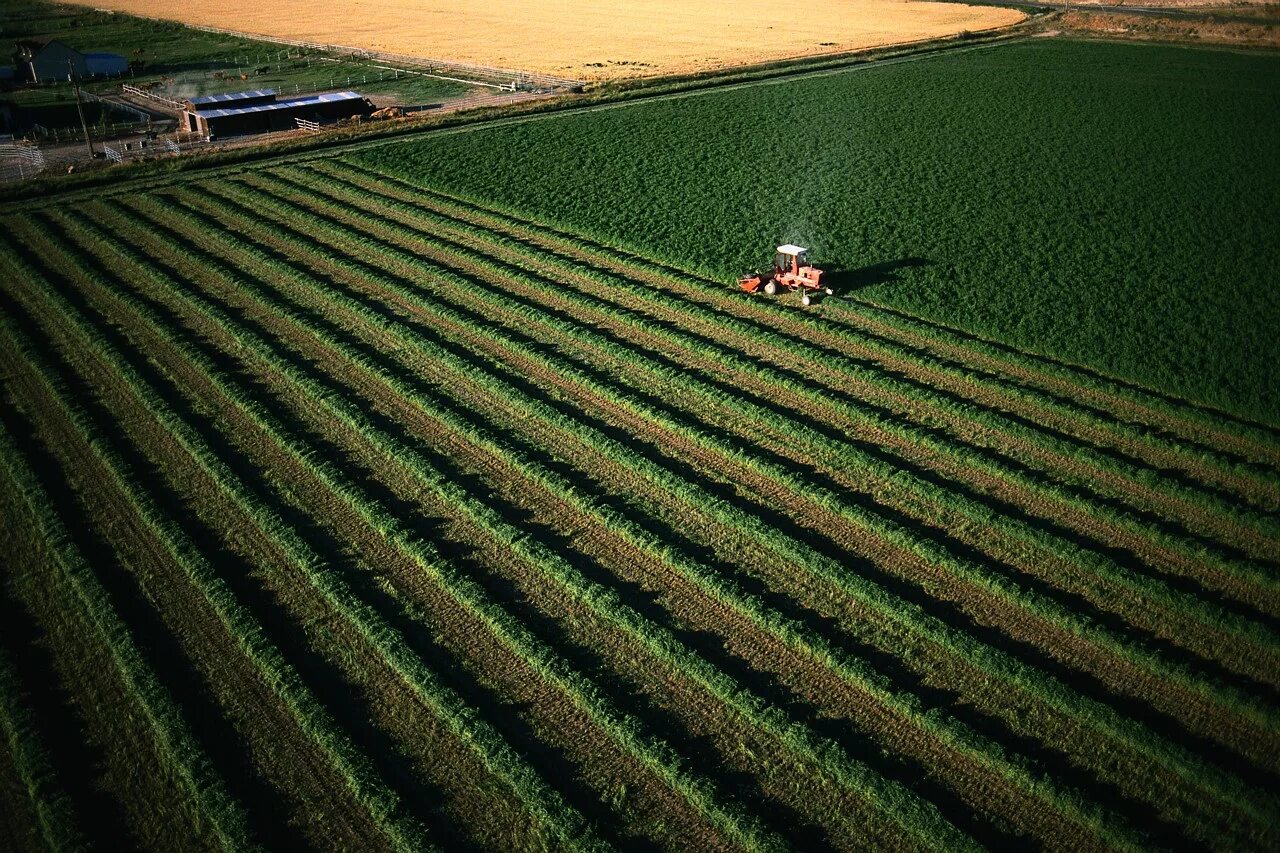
(767, 656)
(1214, 430)
(961, 379)
(1072, 637)
(761, 715)
(470, 633)
(633, 330)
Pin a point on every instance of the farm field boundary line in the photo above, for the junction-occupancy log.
(415, 341)
(1032, 602)
(1157, 403)
(417, 215)
(128, 184)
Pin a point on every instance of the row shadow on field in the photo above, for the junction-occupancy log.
(994, 729)
(855, 279)
(212, 730)
(575, 413)
(157, 644)
(1122, 556)
(52, 704)
(552, 762)
(496, 710)
(1070, 601)
(841, 730)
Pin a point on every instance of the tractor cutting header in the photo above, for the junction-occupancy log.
(791, 269)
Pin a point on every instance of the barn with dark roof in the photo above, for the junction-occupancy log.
(261, 111)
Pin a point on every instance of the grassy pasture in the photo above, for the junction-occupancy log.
(1109, 205)
(353, 512)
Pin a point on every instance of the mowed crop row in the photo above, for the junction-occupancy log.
(609, 554)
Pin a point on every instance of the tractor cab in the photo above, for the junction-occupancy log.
(792, 270)
(791, 263)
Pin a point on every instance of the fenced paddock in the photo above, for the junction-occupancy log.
(19, 161)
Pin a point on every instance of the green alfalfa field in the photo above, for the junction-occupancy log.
(446, 493)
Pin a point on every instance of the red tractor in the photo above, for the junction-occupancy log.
(790, 270)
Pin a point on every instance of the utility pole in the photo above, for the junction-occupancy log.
(75, 84)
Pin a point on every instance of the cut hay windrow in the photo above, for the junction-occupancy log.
(1185, 609)
(915, 815)
(21, 740)
(248, 634)
(702, 792)
(225, 816)
(1144, 408)
(286, 272)
(436, 307)
(1203, 461)
(560, 820)
(989, 580)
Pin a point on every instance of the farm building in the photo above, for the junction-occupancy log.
(49, 60)
(260, 111)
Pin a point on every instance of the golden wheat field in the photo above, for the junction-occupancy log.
(588, 39)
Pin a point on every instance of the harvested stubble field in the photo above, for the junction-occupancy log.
(590, 39)
(342, 507)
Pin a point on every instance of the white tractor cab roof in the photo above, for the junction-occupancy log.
(789, 249)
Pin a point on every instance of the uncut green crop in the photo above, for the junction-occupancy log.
(1105, 204)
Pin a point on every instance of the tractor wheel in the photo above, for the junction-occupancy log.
(771, 288)
(805, 300)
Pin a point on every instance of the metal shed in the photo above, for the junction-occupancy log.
(239, 113)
